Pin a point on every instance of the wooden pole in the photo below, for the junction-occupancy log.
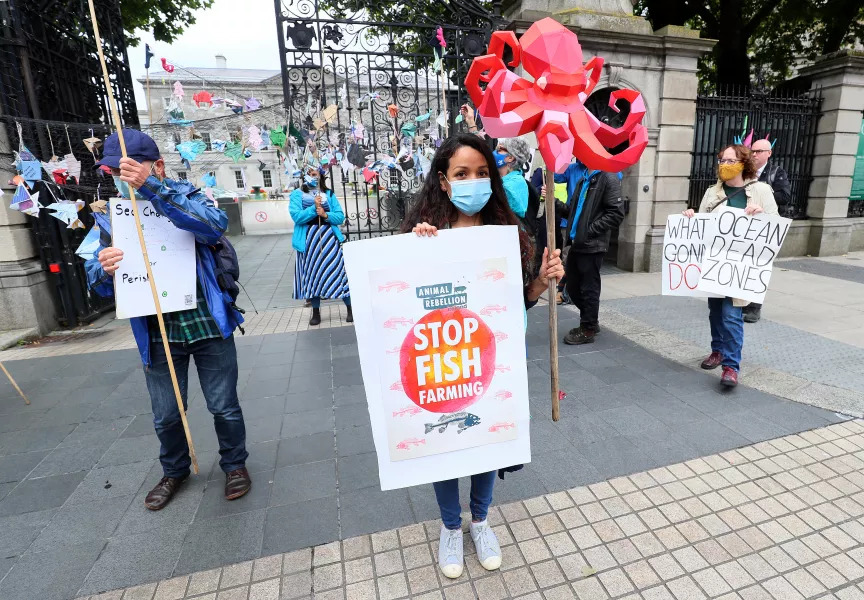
(119, 127)
(2, 366)
(553, 292)
(149, 104)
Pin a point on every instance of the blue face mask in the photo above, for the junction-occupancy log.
(124, 188)
(470, 195)
(310, 181)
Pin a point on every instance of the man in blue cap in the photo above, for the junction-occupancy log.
(205, 332)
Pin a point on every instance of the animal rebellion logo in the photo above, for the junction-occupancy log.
(443, 295)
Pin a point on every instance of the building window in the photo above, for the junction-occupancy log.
(268, 180)
(238, 179)
(205, 137)
(176, 138)
(166, 101)
(181, 174)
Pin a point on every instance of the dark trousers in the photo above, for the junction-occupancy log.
(752, 308)
(447, 493)
(583, 285)
(216, 361)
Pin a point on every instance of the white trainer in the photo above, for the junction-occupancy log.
(451, 556)
(488, 550)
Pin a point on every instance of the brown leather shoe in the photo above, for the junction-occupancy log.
(161, 495)
(237, 483)
(730, 377)
(713, 361)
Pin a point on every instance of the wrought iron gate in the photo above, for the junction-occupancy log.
(365, 67)
(789, 116)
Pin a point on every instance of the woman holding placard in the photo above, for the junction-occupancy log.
(738, 186)
(319, 271)
(464, 189)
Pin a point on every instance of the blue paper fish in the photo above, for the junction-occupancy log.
(90, 244)
(190, 150)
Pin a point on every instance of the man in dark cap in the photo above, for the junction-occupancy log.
(205, 332)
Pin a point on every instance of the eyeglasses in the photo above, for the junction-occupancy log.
(759, 151)
(728, 161)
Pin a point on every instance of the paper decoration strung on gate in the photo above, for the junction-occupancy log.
(552, 105)
(442, 351)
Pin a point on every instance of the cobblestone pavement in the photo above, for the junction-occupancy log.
(849, 271)
(779, 519)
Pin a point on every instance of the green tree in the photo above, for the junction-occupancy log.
(165, 18)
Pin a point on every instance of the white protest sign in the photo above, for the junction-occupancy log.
(172, 260)
(683, 250)
(740, 252)
(442, 352)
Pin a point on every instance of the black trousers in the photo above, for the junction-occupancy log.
(583, 285)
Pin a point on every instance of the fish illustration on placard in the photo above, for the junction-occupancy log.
(492, 309)
(501, 427)
(504, 394)
(408, 411)
(407, 444)
(399, 286)
(500, 336)
(463, 419)
(492, 275)
(502, 369)
(393, 322)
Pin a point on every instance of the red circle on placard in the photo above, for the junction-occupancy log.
(459, 393)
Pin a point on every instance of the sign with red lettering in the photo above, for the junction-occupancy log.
(739, 253)
(683, 251)
(442, 350)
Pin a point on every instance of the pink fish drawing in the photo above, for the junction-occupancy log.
(407, 411)
(501, 427)
(500, 336)
(502, 369)
(504, 394)
(492, 275)
(394, 322)
(395, 350)
(396, 386)
(492, 309)
(399, 286)
(407, 444)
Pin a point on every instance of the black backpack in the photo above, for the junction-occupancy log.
(227, 270)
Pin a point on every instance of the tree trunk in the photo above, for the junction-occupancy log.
(733, 63)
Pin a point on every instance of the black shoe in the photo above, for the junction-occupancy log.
(350, 317)
(575, 330)
(580, 336)
(316, 317)
(753, 316)
(237, 483)
(159, 497)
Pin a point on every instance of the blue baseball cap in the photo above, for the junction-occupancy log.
(500, 159)
(139, 146)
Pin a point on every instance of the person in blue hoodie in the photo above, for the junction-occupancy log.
(510, 155)
(205, 332)
(319, 271)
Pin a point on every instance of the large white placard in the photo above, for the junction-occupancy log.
(441, 335)
(683, 251)
(739, 253)
(172, 260)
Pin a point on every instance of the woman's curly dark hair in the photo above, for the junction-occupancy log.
(433, 206)
(745, 155)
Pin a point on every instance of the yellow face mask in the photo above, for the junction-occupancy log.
(728, 172)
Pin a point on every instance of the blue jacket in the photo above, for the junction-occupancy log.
(189, 210)
(517, 192)
(303, 216)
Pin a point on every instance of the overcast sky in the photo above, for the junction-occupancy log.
(245, 33)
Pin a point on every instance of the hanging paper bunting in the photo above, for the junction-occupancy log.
(369, 175)
(99, 206)
(358, 131)
(329, 113)
(393, 110)
(178, 89)
(458, 118)
(92, 144)
(30, 168)
(167, 67)
(254, 137)
(343, 94)
(277, 137)
(23, 202)
(202, 97)
(234, 151)
(422, 118)
(252, 104)
(73, 165)
(409, 129)
(442, 118)
(208, 180)
(90, 244)
(190, 150)
(67, 211)
(247, 153)
(218, 145)
(60, 176)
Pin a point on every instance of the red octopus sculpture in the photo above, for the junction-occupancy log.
(553, 105)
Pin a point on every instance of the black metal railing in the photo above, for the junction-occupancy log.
(789, 116)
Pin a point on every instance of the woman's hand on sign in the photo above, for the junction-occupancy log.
(551, 267)
(109, 258)
(753, 210)
(689, 213)
(425, 229)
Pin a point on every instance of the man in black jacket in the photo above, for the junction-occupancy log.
(774, 175)
(595, 209)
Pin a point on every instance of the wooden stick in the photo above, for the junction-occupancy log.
(553, 293)
(444, 96)
(119, 127)
(149, 104)
(2, 366)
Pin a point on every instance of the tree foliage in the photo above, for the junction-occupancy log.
(166, 19)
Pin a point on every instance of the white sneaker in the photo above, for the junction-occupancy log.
(488, 550)
(451, 557)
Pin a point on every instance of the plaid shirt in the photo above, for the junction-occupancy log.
(186, 326)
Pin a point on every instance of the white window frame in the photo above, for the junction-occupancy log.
(238, 179)
(266, 175)
(182, 175)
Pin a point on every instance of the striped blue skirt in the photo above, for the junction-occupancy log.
(320, 271)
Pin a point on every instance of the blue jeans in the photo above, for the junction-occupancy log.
(316, 302)
(447, 493)
(216, 361)
(727, 331)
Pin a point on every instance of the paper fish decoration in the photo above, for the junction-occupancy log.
(167, 67)
(31, 170)
(92, 144)
(53, 165)
(247, 153)
(255, 140)
(458, 118)
(252, 104)
(329, 113)
(234, 151)
(442, 119)
(60, 176)
(218, 145)
(90, 244)
(178, 89)
(393, 110)
(189, 150)
(277, 137)
(358, 131)
(67, 211)
(409, 129)
(23, 202)
(99, 206)
(208, 180)
(346, 166)
(343, 94)
(203, 97)
(369, 175)
(422, 118)
(73, 165)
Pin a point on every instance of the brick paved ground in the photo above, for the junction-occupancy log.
(782, 519)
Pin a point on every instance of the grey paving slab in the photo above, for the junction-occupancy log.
(847, 272)
(18, 531)
(40, 494)
(79, 523)
(16, 467)
(52, 575)
(213, 503)
(224, 540)
(299, 483)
